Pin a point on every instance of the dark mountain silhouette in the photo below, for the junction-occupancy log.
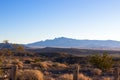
(63, 42)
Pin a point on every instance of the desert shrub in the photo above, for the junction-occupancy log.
(1, 60)
(29, 75)
(37, 60)
(6, 52)
(103, 62)
(71, 60)
(22, 54)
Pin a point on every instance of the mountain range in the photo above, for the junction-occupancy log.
(63, 42)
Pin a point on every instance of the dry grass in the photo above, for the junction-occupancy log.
(28, 60)
(66, 77)
(44, 65)
(29, 75)
(107, 78)
(83, 77)
(18, 63)
(48, 64)
(11, 62)
(48, 78)
(70, 77)
(96, 71)
(60, 65)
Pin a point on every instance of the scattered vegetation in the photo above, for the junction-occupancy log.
(57, 65)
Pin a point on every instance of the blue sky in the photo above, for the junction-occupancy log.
(26, 21)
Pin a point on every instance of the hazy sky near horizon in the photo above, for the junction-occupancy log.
(26, 21)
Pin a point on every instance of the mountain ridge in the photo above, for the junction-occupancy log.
(64, 42)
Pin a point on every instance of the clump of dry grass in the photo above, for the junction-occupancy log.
(48, 78)
(48, 64)
(46, 73)
(45, 65)
(66, 77)
(59, 65)
(96, 71)
(106, 78)
(16, 62)
(70, 77)
(28, 60)
(11, 62)
(83, 77)
(29, 75)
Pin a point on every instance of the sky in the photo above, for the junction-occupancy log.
(27, 21)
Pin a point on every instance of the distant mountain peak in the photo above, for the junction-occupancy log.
(62, 38)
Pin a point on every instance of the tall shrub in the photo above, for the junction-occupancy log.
(104, 61)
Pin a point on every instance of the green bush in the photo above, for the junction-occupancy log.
(103, 61)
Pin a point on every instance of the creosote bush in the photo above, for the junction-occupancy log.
(103, 62)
